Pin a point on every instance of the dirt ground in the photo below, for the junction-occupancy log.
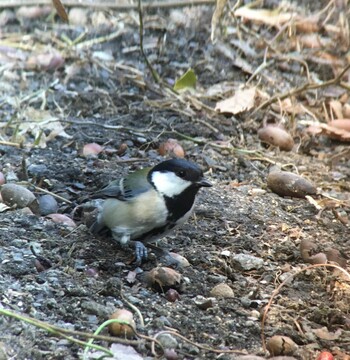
(103, 93)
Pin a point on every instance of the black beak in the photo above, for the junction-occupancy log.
(203, 182)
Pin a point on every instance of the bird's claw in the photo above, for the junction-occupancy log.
(141, 252)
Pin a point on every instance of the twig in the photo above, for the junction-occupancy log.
(153, 72)
(56, 330)
(108, 5)
(37, 188)
(9, 143)
(203, 347)
(305, 87)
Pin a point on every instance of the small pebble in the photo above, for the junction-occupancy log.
(222, 291)
(167, 341)
(47, 205)
(37, 170)
(247, 262)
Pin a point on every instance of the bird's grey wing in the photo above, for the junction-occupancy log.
(97, 227)
(111, 190)
(135, 184)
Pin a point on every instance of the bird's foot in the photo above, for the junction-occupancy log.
(141, 252)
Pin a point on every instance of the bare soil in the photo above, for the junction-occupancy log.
(113, 105)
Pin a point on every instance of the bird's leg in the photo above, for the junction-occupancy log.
(140, 251)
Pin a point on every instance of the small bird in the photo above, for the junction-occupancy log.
(148, 203)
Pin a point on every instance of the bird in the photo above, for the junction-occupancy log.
(149, 203)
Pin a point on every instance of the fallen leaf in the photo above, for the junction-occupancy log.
(289, 106)
(308, 25)
(324, 334)
(337, 109)
(186, 81)
(268, 17)
(332, 130)
(62, 219)
(242, 100)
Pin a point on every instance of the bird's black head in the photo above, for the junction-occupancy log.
(178, 181)
(190, 173)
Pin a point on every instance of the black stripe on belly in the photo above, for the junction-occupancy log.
(178, 206)
(181, 204)
(155, 233)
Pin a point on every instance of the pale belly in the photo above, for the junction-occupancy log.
(129, 220)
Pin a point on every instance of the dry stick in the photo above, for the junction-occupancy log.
(108, 5)
(203, 347)
(277, 290)
(305, 87)
(153, 72)
(56, 330)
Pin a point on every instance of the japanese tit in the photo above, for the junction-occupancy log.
(148, 203)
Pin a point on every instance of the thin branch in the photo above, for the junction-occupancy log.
(153, 72)
(56, 330)
(303, 88)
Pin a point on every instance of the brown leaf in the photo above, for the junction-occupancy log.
(337, 109)
(162, 277)
(242, 100)
(343, 124)
(62, 219)
(335, 130)
(61, 11)
(306, 248)
(308, 25)
(335, 256)
(268, 17)
(324, 334)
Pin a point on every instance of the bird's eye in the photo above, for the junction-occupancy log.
(181, 174)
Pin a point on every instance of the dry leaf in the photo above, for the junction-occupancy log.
(36, 122)
(337, 109)
(242, 100)
(335, 129)
(339, 123)
(62, 219)
(264, 16)
(289, 106)
(308, 25)
(162, 277)
(324, 334)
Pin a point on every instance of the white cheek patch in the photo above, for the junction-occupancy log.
(168, 184)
